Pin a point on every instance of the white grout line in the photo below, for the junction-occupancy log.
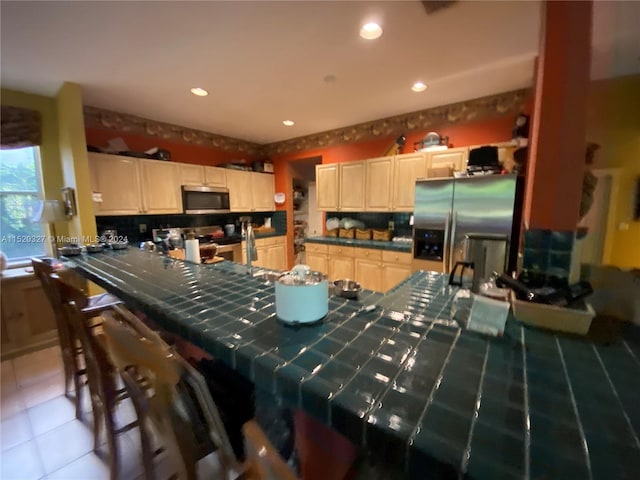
(467, 455)
(633, 355)
(615, 392)
(575, 411)
(527, 417)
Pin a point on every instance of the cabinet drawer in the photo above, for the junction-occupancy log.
(396, 257)
(316, 247)
(267, 241)
(340, 250)
(368, 253)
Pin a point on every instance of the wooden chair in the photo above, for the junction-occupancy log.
(174, 398)
(71, 349)
(101, 375)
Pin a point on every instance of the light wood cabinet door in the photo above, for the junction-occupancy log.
(215, 176)
(117, 181)
(407, 168)
(327, 187)
(393, 274)
(352, 182)
(263, 191)
(340, 268)
(191, 174)
(317, 262)
(277, 257)
(160, 187)
(379, 178)
(367, 274)
(239, 185)
(454, 158)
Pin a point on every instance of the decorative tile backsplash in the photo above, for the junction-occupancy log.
(129, 225)
(548, 251)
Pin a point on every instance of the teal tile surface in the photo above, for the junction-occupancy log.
(403, 381)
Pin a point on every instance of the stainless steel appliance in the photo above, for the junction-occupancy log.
(229, 247)
(197, 199)
(485, 254)
(448, 210)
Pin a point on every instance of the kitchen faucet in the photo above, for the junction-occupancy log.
(250, 240)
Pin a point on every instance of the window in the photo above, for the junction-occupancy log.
(20, 189)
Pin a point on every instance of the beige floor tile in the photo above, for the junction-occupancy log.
(51, 414)
(43, 391)
(22, 463)
(76, 439)
(8, 383)
(86, 467)
(36, 367)
(15, 430)
(10, 405)
(130, 458)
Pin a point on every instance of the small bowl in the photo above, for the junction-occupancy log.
(94, 248)
(70, 250)
(119, 245)
(346, 289)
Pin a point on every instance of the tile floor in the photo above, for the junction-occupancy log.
(40, 436)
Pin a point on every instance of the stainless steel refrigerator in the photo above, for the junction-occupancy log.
(448, 209)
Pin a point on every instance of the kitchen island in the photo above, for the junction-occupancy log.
(402, 382)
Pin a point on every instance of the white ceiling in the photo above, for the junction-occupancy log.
(265, 61)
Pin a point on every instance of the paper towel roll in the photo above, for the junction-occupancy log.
(192, 251)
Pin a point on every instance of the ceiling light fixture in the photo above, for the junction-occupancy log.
(418, 87)
(371, 31)
(288, 123)
(201, 92)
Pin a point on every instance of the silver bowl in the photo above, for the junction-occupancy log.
(70, 250)
(346, 289)
(119, 245)
(94, 248)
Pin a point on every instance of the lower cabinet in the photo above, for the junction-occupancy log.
(316, 257)
(396, 266)
(368, 266)
(272, 253)
(340, 262)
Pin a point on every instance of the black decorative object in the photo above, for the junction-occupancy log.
(521, 127)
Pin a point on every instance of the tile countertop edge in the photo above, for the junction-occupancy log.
(424, 395)
(353, 242)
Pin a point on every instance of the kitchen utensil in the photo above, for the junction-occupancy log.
(119, 245)
(94, 248)
(485, 254)
(208, 251)
(192, 249)
(302, 296)
(70, 250)
(109, 235)
(229, 229)
(346, 289)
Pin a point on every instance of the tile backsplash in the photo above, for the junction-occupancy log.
(130, 225)
(380, 220)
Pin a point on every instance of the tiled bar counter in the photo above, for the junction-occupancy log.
(400, 382)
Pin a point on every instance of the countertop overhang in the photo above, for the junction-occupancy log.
(401, 381)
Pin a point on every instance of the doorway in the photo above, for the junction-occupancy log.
(307, 220)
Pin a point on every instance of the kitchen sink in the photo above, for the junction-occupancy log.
(268, 277)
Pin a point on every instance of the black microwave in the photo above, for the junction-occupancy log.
(197, 199)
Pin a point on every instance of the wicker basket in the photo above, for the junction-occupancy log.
(379, 234)
(332, 233)
(346, 232)
(363, 234)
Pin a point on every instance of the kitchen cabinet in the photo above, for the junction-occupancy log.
(316, 257)
(262, 192)
(199, 175)
(407, 168)
(378, 184)
(340, 262)
(115, 181)
(27, 319)
(368, 268)
(160, 191)
(272, 253)
(396, 266)
(327, 187)
(352, 186)
(453, 158)
(250, 191)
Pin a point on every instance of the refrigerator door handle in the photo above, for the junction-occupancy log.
(445, 247)
(452, 241)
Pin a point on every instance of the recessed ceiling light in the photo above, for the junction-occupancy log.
(418, 87)
(288, 123)
(371, 31)
(201, 92)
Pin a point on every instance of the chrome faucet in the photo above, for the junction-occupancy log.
(250, 241)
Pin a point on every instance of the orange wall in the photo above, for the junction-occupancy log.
(180, 152)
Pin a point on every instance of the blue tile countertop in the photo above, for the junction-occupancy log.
(401, 381)
(379, 244)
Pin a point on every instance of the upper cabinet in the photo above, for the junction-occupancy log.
(454, 159)
(378, 191)
(407, 168)
(352, 182)
(327, 187)
(250, 191)
(160, 191)
(115, 182)
(202, 176)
